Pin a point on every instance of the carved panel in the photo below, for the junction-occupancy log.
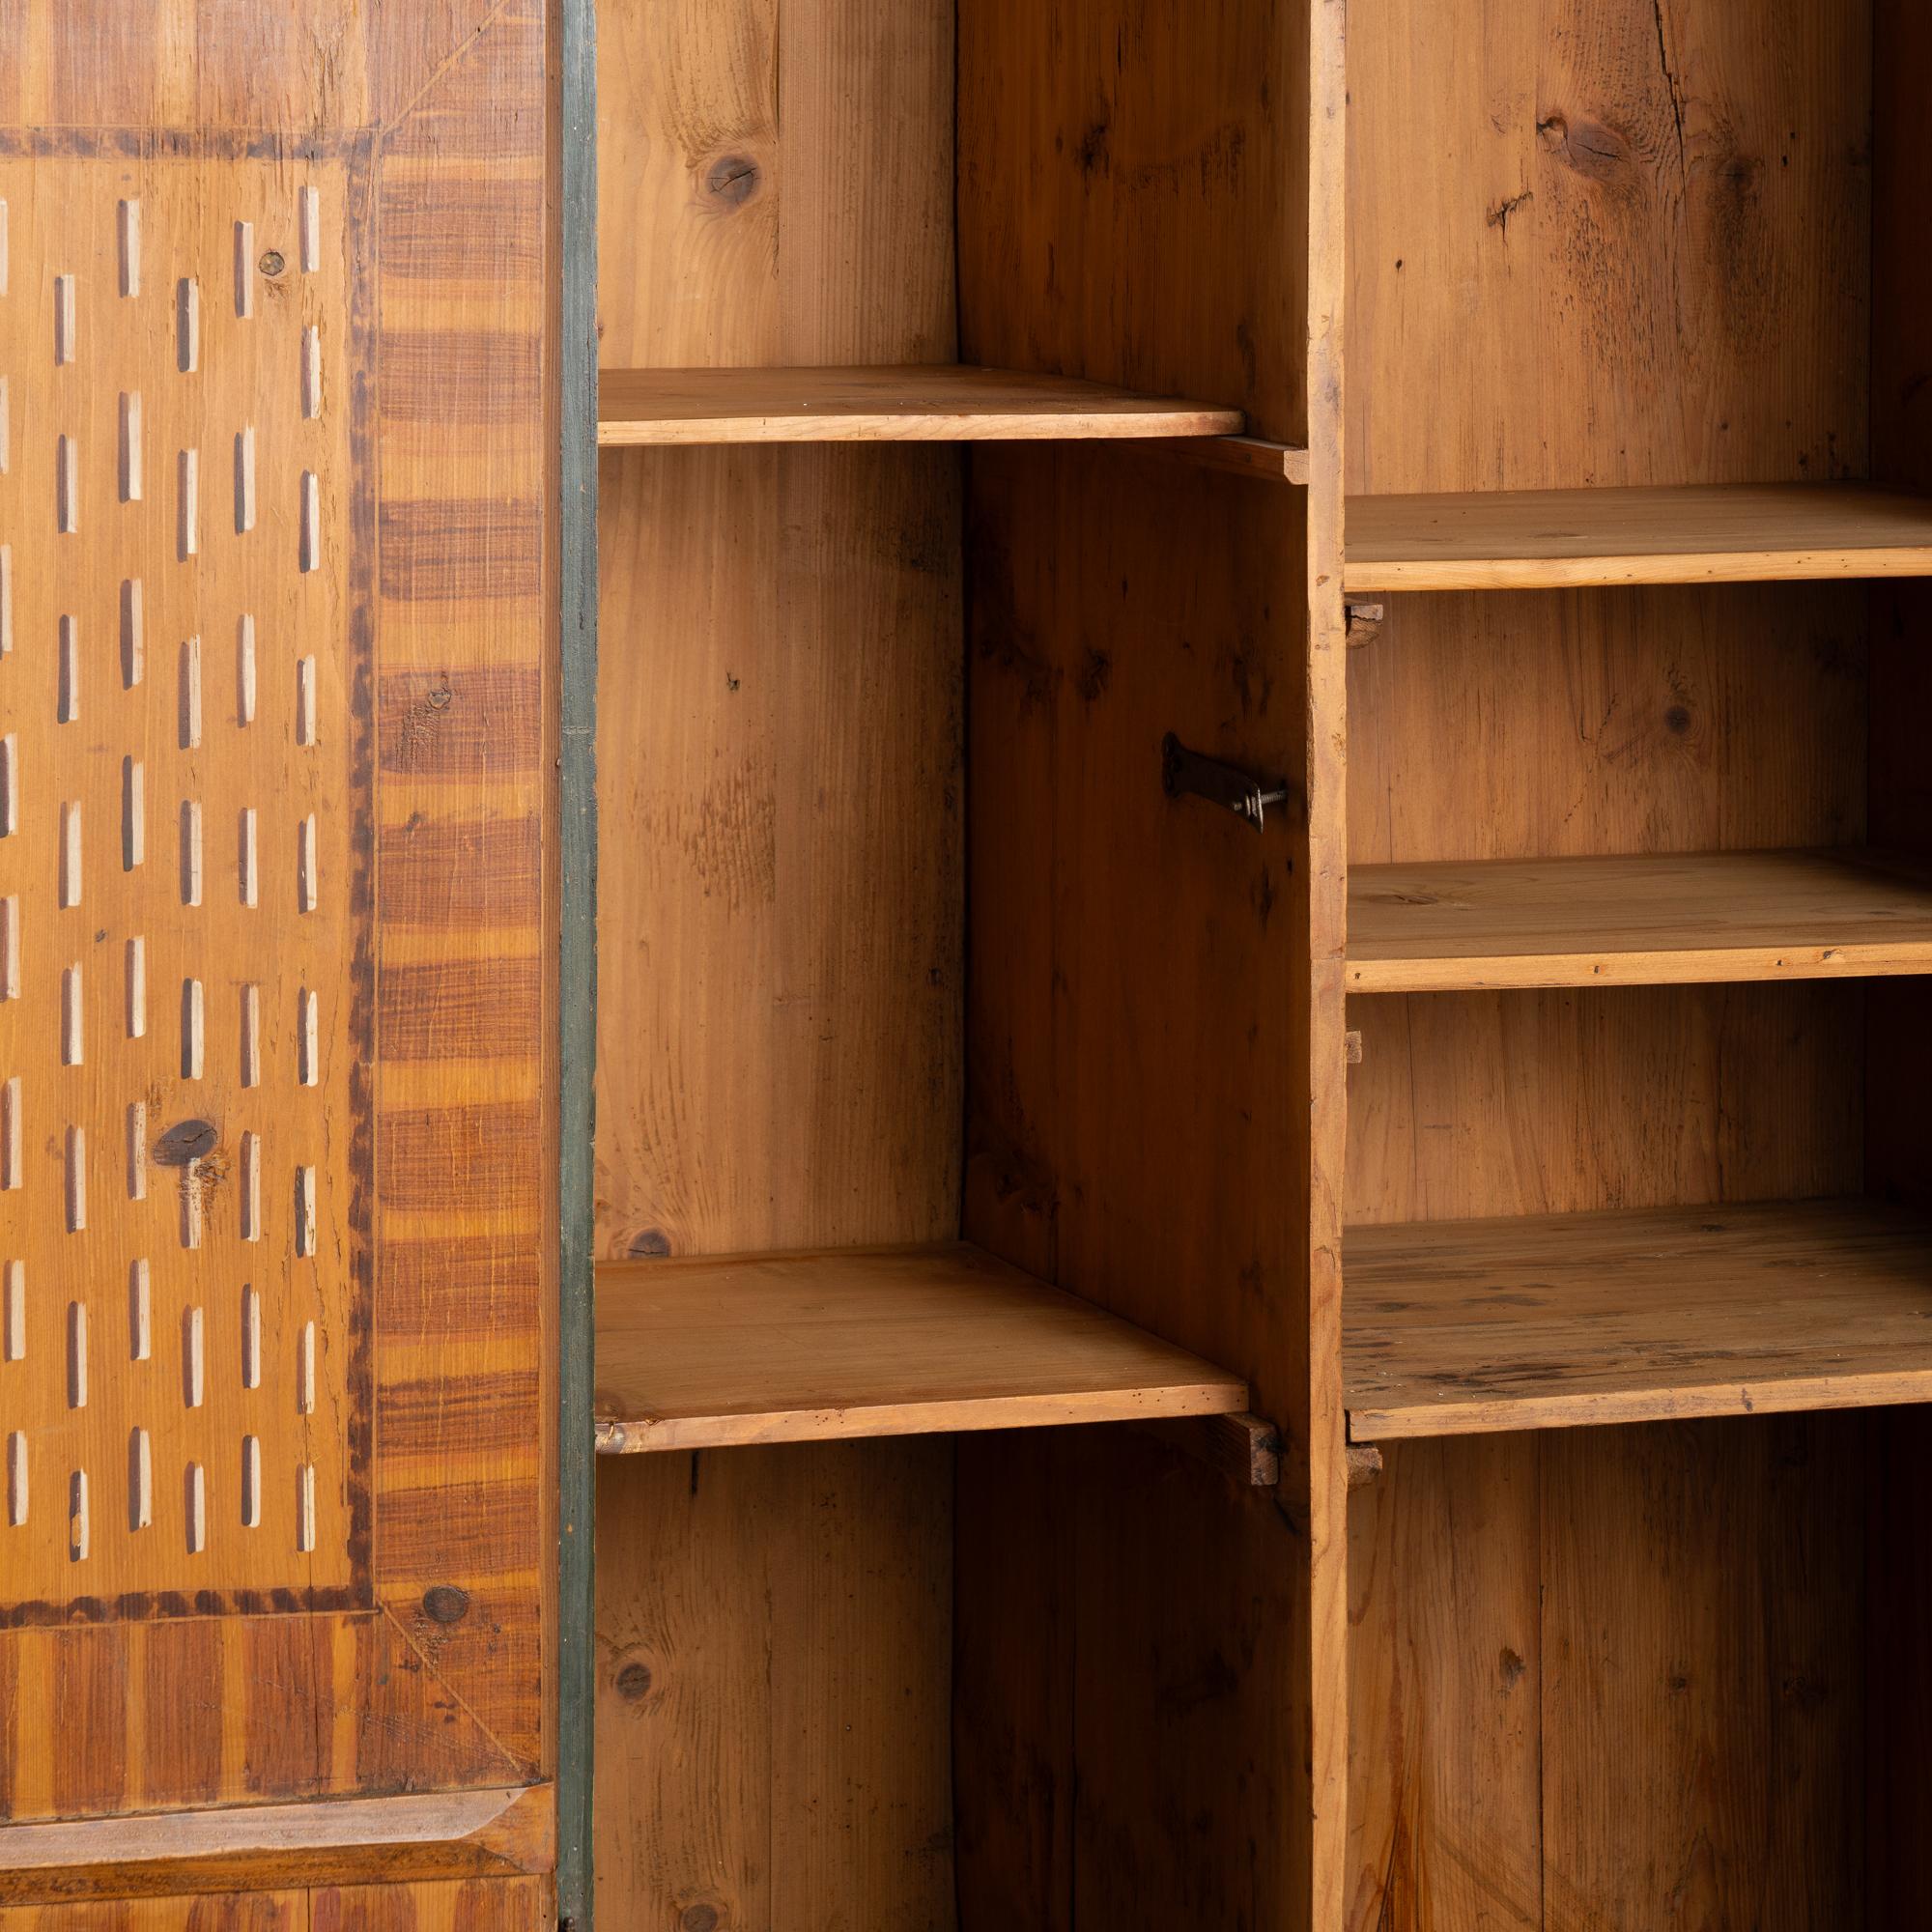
(185, 1139)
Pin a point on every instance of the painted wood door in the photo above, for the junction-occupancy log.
(276, 469)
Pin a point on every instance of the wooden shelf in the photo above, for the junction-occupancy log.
(937, 403)
(1550, 538)
(1467, 1327)
(703, 1355)
(1646, 922)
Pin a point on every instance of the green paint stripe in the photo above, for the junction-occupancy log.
(578, 969)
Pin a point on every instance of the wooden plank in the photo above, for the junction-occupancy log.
(1666, 920)
(1555, 1321)
(780, 1644)
(1565, 1101)
(1242, 456)
(790, 622)
(1133, 206)
(932, 403)
(1243, 1448)
(702, 1354)
(1542, 539)
(247, 1847)
(1639, 253)
(1445, 1823)
(464, 1905)
(1704, 1675)
(1649, 720)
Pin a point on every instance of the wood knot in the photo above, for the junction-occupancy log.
(698, 1918)
(271, 264)
(634, 1681)
(733, 180)
(185, 1142)
(1589, 148)
(1678, 719)
(652, 1244)
(445, 1604)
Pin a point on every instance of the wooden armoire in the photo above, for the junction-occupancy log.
(958, 966)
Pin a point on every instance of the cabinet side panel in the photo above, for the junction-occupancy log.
(1152, 196)
(1137, 1134)
(1899, 1047)
(1132, 184)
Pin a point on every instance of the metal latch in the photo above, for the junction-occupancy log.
(1185, 773)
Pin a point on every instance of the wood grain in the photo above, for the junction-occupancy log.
(1639, 252)
(781, 937)
(161, 803)
(1553, 1322)
(937, 403)
(392, 1839)
(1133, 199)
(1471, 1104)
(796, 616)
(773, 1656)
(1535, 540)
(1702, 1689)
(1445, 1677)
(1615, 920)
(474, 1905)
(1610, 722)
(869, 1341)
(1106, 1546)
(264, 1690)
(1136, 1107)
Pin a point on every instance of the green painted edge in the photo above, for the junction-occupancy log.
(577, 969)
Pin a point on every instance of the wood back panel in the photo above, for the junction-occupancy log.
(780, 941)
(377, 500)
(1604, 1677)
(1597, 241)
(779, 700)
(1640, 252)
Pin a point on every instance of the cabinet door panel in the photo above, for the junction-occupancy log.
(275, 1000)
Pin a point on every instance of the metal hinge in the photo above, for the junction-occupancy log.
(1191, 774)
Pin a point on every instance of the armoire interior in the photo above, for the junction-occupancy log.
(930, 1005)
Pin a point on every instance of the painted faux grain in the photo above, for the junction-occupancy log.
(216, 1675)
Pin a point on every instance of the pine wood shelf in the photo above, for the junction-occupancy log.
(1666, 920)
(1468, 1327)
(705, 1355)
(915, 402)
(1546, 539)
